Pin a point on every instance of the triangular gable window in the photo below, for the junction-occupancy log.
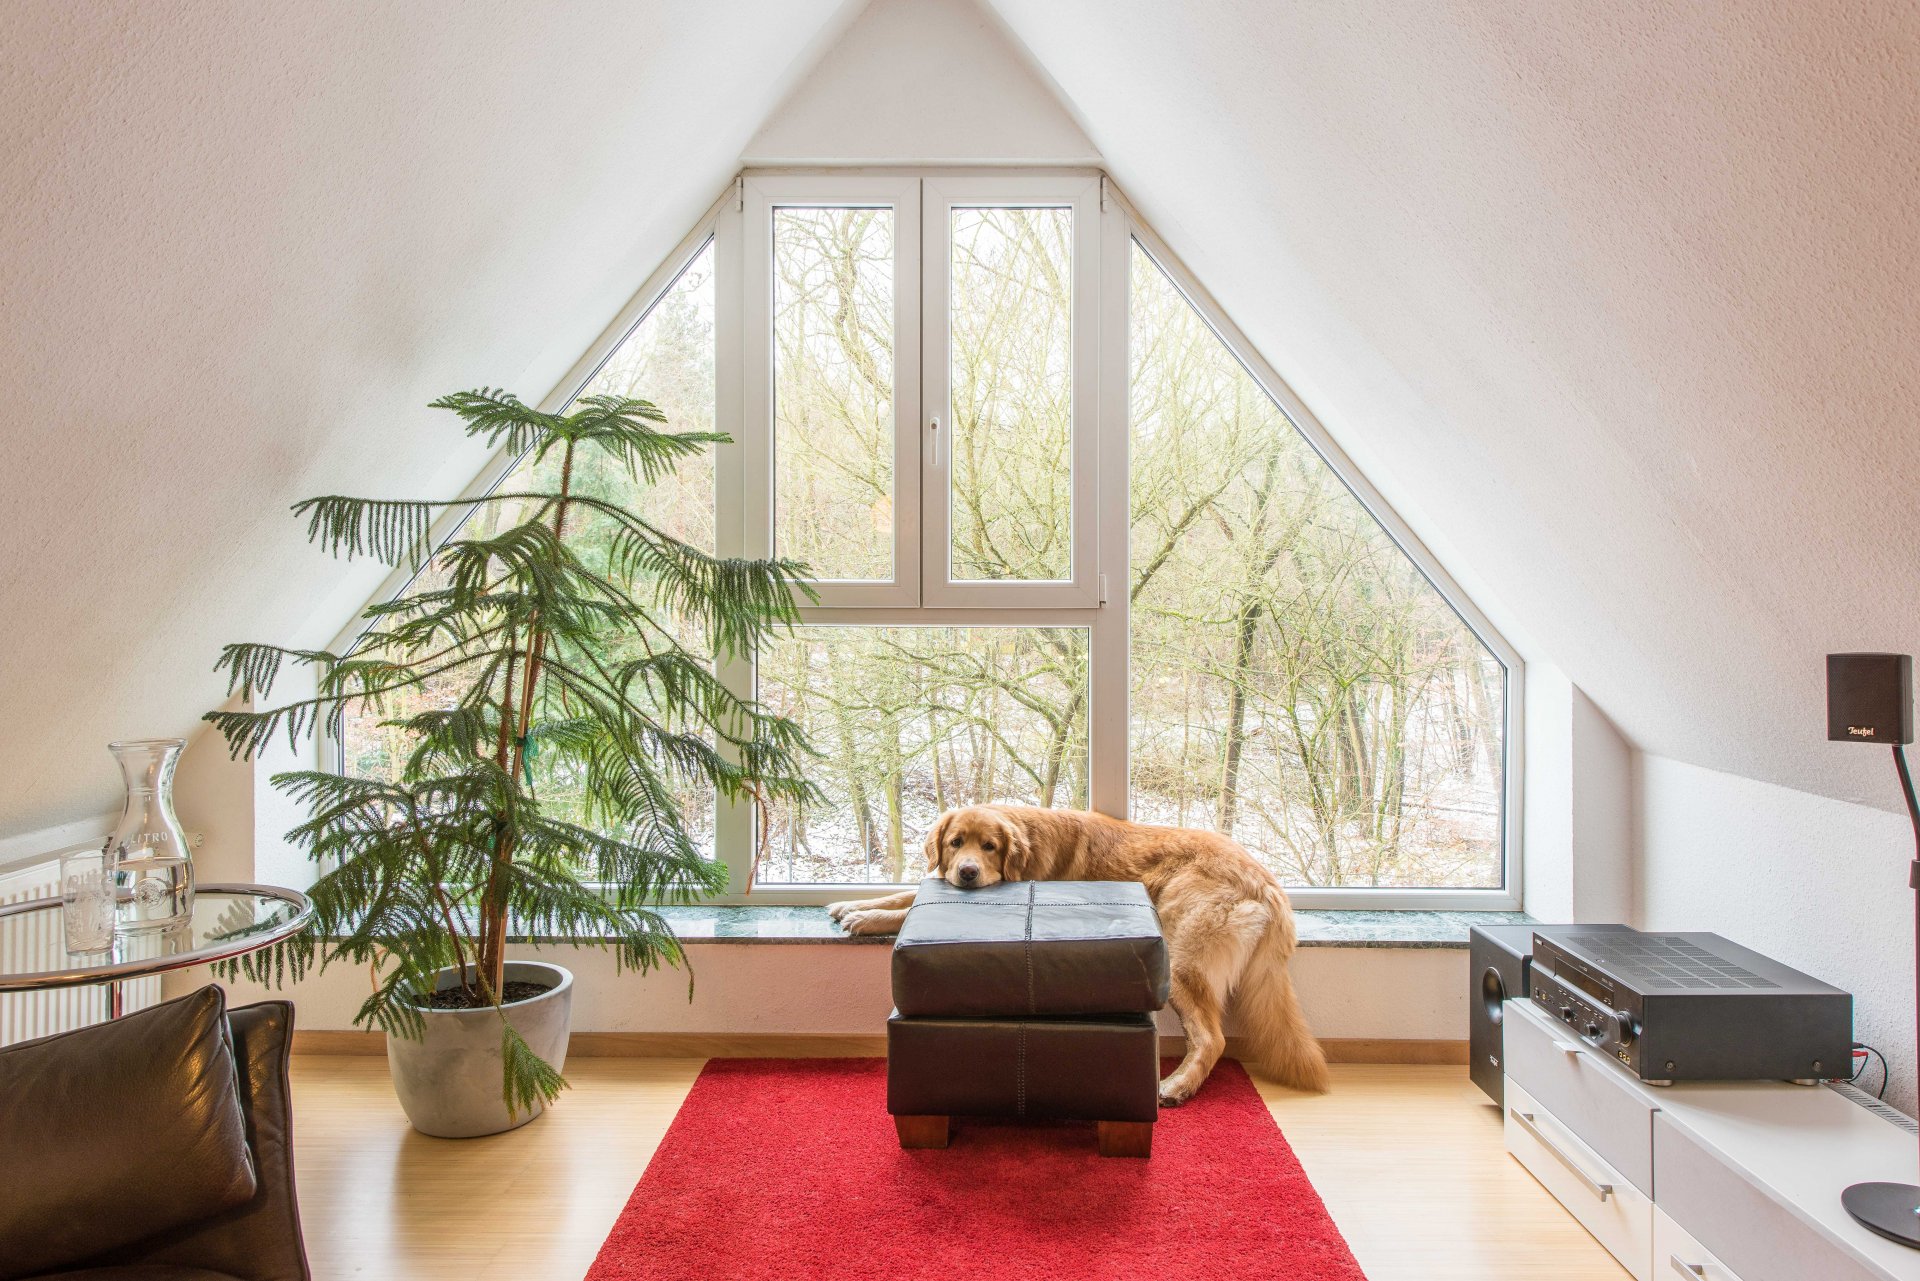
(932, 381)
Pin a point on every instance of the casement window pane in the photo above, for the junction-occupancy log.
(911, 721)
(669, 360)
(1296, 681)
(833, 391)
(1010, 352)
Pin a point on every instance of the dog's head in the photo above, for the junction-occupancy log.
(977, 846)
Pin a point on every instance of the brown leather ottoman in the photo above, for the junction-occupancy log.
(1028, 999)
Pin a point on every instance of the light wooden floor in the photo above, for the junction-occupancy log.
(1412, 1167)
(1409, 1160)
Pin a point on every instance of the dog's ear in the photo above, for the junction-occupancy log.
(1018, 865)
(936, 843)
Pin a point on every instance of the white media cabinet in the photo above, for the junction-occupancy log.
(1733, 1181)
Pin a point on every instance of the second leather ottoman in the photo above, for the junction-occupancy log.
(1028, 1000)
(1101, 1069)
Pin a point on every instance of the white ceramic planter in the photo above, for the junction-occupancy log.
(450, 1080)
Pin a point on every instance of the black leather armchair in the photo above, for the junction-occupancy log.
(214, 1083)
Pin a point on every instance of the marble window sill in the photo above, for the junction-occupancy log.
(1345, 928)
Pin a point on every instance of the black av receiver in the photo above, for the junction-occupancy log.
(1691, 1007)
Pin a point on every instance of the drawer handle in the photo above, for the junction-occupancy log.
(1525, 1121)
(1691, 1271)
(1569, 1048)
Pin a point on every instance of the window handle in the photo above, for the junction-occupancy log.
(933, 425)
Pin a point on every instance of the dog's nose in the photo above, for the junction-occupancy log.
(969, 873)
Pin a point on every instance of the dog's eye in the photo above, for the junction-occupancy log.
(987, 846)
(957, 841)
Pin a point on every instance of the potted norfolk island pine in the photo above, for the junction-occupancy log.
(553, 715)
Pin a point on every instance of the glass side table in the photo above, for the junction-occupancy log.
(227, 921)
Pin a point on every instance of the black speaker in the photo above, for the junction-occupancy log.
(1501, 956)
(1870, 698)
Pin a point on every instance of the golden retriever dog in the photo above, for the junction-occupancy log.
(1228, 926)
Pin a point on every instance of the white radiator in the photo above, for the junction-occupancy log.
(25, 942)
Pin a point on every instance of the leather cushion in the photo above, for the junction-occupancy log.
(259, 1239)
(1104, 1069)
(1030, 947)
(118, 1131)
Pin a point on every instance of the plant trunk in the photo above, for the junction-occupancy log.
(493, 900)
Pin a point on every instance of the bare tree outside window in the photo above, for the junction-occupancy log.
(914, 720)
(833, 357)
(1012, 362)
(1297, 683)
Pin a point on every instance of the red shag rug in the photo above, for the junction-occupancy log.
(789, 1168)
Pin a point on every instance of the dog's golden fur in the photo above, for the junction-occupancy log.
(1228, 925)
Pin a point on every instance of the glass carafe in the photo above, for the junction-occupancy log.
(152, 867)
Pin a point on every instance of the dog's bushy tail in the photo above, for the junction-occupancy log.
(1268, 1013)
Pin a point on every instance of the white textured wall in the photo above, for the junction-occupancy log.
(1548, 797)
(1614, 301)
(931, 81)
(1817, 883)
(843, 988)
(243, 245)
(215, 799)
(1578, 804)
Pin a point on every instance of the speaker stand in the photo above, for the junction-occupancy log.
(1890, 1209)
(1893, 1209)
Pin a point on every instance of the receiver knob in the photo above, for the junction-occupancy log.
(1620, 1027)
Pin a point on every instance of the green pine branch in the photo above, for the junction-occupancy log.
(512, 662)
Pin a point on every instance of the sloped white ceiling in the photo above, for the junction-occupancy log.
(1617, 303)
(243, 245)
(935, 81)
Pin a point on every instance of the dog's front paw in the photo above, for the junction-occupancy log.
(838, 911)
(865, 922)
(1174, 1092)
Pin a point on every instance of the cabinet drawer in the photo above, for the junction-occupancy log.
(1619, 1215)
(1609, 1110)
(1678, 1257)
(1739, 1222)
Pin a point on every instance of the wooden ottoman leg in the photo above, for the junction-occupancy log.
(921, 1131)
(1126, 1138)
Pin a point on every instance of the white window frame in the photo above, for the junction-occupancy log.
(762, 197)
(943, 195)
(1099, 481)
(1096, 600)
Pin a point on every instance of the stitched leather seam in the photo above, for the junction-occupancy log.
(1020, 1072)
(1033, 1006)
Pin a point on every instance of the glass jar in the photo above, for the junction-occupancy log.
(86, 901)
(152, 867)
